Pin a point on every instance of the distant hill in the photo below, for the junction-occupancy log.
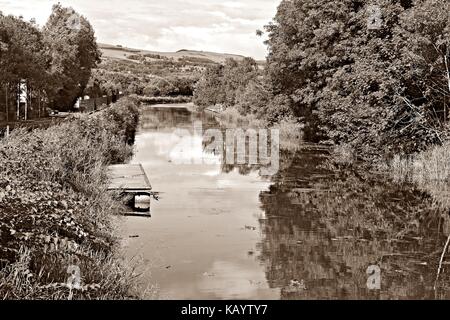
(151, 73)
(119, 52)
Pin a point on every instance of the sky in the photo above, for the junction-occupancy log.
(225, 26)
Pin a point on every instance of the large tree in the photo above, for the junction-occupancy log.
(225, 84)
(376, 86)
(74, 53)
(210, 88)
(22, 58)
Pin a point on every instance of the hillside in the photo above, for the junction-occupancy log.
(151, 73)
(119, 52)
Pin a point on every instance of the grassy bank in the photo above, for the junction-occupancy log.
(429, 170)
(162, 100)
(291, 131)
(54, 209)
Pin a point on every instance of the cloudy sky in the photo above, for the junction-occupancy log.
(166, 25)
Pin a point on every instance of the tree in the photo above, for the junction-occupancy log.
(426, 71)
(221, 84)
(22, 58)
(369, 87)
(74, 53)
(237, 75)
(210, 88)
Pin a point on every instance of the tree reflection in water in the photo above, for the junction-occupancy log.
(325, 227)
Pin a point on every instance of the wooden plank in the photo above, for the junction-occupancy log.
(136, 214)
(145, 177)
(129, 178)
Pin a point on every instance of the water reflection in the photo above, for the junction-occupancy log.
(196, 245)
(327, 227)
(221, 231)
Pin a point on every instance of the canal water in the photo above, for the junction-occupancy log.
(309, 232)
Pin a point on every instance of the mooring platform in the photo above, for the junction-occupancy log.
(128, 178)
(132, 181)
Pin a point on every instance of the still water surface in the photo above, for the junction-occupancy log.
(225, 232)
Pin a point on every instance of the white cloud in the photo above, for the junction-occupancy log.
(170, 25)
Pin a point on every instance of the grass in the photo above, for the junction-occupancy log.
(162, 100)
(55, 211)
(428, 170)
(291, 131)
(291, 134)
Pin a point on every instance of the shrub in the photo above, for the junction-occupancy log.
(381, 90)
(162, 100)
(55, 210)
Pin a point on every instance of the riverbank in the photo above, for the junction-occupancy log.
(428, 170)
(165, 100)
(30, 124)
(56, 218)
(291, 131)
(337, 216)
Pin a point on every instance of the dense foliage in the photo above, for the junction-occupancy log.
(375, 78)
(54, 63)
(54, 208)
(73, 50)
(378, 89)
(149, 75)
(241, 84)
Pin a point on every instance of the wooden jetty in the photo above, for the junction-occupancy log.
(132, 182)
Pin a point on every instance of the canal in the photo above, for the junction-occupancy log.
(309, 232)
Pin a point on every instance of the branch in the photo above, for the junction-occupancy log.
(441, 261)
(446, 66)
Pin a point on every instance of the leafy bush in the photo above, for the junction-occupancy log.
(55, 210)
(379, 90)
(141, 79)
(223, 84)
(158, 100)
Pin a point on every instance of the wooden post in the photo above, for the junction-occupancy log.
(7, 107)
(7, 131)
(26, 105)
(30, 100)
(18, 102)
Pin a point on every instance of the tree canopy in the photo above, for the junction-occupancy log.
(72, 46)
(56, 60)
(383, 88)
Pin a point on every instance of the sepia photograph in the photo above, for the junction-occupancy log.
(253, 151)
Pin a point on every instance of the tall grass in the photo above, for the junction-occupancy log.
(165, 99)
(232, 118)
(291, 134)
(429, 170)
(291, 131)
(55, 210)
